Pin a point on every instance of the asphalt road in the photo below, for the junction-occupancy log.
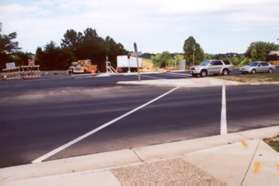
(38, 116)
(77, 80)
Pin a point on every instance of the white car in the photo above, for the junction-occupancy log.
(257, 66)
(211, 67)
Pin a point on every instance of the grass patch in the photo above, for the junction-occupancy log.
(253, 78)
(273, 142)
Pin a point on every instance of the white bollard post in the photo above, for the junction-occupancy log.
(223, 128)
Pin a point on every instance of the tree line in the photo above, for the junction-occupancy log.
(194, 54)
(89, 45)
(10, 51)
(73, 46)
(77, 45)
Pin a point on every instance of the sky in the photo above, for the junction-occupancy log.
(219, 26)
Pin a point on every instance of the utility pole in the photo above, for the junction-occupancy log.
(0, 27)
(136, 53)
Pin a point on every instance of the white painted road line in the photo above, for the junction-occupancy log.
(167, 74)
(70, 143)
(224, 128)
(178, 74)
(152, 77)
(82, 75)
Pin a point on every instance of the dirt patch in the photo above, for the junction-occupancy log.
(253, 78)
(167, 172)
(273, 142)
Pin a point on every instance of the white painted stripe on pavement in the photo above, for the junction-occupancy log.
(70, 143)
(224, 128)
(152, 77)
(178, 74)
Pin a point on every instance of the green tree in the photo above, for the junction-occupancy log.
(71, 39)
(94, 47)
(53, 57)
(259, 50)
(208, 56)
(77, 46)
(21, 58)
(71, 42)
(193, 52)
(234, 58)
(91, 46)
(253, 53)
(7, 48)
(161, 60)
(112, 49)
(175, 61)
(244, 61)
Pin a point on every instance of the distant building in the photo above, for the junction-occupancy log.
(273, 57)
(182, 65)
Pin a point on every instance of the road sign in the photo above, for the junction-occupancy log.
(10, 66)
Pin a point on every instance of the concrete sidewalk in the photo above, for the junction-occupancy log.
(234, 159)
(250, 163)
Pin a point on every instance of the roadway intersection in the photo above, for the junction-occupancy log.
(38, 116)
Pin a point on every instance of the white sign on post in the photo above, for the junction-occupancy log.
(10, 66)
(125, 62)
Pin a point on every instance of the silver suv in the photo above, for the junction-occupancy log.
(257, 66)
(210, 67)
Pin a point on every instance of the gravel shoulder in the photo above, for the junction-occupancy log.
(253, 78)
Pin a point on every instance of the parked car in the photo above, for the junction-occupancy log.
(211, 67)
(257, 66)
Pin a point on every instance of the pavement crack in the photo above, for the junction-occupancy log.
(138, 156)
(250, 163)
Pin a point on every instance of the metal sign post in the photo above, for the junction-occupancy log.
(107, 65)
(194, 49)
(136, 53)
(129, 63)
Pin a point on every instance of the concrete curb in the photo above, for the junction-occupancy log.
(186, 83)
(109, 160)
(85, 178)
(262, 83)
(104, 160)
(183, 147)
(193, 83)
